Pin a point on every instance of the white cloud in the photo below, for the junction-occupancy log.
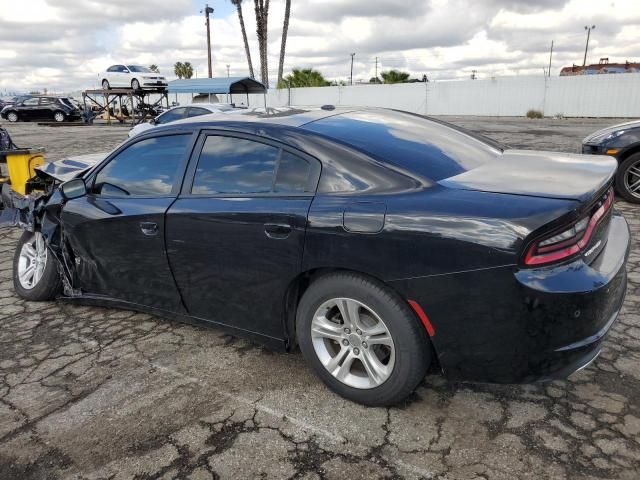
(62, 44)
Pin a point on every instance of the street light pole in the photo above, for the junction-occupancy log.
(351, 76)
(550, 56)
(586, 48)
(228, 70)
(207, 11)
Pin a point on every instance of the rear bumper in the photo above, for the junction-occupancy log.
(511, 325)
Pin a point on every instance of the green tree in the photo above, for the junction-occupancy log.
(375, 80)
(187, 70)
(394, 76)
(238, 4)
(304, 77)
(154, 68)
(178, 69)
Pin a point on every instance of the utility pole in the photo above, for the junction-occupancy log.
(228, 70)
(550, 55)
(351, 76)
(588, 29)
(207, 11)
(376, 77)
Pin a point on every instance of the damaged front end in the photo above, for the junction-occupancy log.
(40, 210)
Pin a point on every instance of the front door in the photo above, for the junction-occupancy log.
(30, 108)
(116, 232)
(235, 236)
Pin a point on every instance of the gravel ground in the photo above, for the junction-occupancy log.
(95, 393)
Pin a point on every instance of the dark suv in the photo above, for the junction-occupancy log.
(58, 109)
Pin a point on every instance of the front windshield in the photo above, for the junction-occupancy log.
(138, 68)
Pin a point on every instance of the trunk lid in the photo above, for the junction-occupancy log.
(539, 174)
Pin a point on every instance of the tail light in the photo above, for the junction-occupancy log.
(570, 240)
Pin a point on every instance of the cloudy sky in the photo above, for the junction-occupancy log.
(63, 44)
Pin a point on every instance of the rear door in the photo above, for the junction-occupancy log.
(235, 236)
(117, 231)
(46, 108)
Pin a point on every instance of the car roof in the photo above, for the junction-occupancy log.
(286, 116)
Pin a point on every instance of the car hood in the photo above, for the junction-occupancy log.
(539, 174)
(611, 129)
(69, 168)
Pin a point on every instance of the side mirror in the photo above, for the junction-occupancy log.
(75, 188)
(152, 121)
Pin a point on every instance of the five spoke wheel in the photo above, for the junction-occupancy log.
(32, 261)
(353, 343)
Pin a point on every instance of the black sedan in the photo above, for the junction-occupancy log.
(379, 242)
(623, 143)
(58, 109)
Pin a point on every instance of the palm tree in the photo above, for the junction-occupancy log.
(394, 76)
(304, 77)
(187, 70)
(154, 68)
(178, 69)
(262, 14)
(285, 30)
(238, 4)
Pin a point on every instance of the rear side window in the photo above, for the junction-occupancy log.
(171, 116)
(197, 111)
(293, 174)
(234, 165)
(146, 168)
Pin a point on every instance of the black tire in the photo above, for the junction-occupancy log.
(135, 84)
(49, 285)
(105, 84)
(413, 350)
(622, 186)
(12, 116)
(59, 116)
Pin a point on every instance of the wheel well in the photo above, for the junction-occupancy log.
(629, 152)
(301, 283)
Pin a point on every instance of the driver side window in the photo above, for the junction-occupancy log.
(146, 168)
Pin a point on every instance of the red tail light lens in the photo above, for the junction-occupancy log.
(568, 242)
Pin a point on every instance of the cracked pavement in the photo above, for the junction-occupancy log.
(95, 393)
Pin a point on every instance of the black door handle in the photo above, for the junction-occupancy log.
(277, 230)
(149, 228)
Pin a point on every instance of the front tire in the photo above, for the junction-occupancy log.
(628, 178)
(362, 339)
(59, 117)
(105, 84)
(35, 274)
(12, 117)
(135, 84)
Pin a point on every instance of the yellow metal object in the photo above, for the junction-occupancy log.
(21, 164)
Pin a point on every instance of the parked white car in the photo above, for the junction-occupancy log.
(131, 76)
(184, 111)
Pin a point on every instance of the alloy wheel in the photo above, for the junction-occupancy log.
(632, 179)
(353, 343)
(12, 117)
(58, 117)
(32, 261)
(105, 85)
(135, 84)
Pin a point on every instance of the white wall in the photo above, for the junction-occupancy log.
(583, 96)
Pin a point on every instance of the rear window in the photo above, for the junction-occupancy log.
(427, 147)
